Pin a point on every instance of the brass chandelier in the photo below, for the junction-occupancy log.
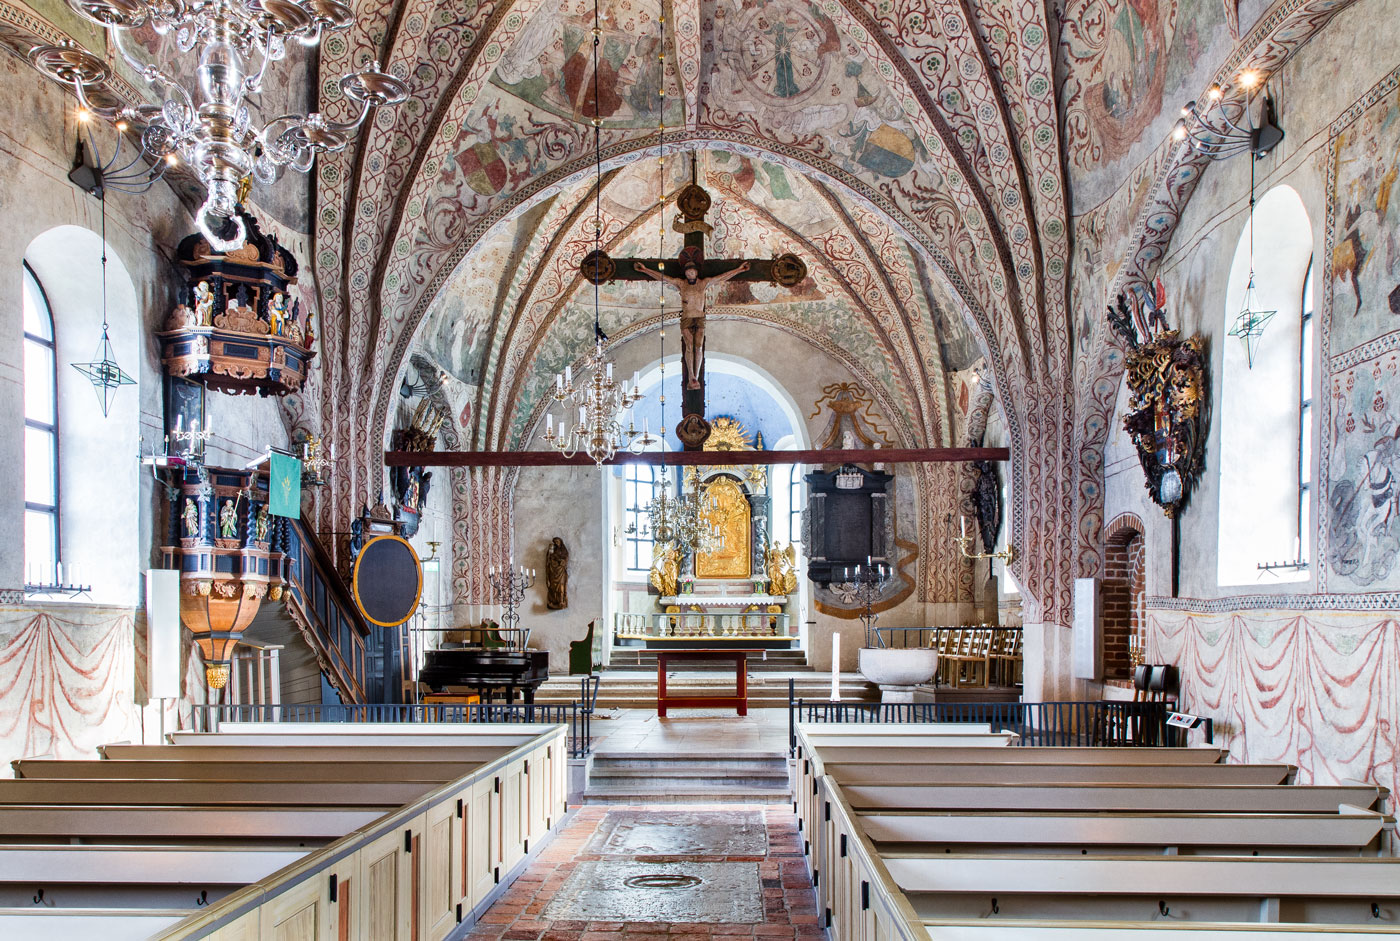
(232, 43)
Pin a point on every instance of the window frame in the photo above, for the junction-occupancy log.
(796, 482)
(54, 512)
(634, 514)
(1306, 402)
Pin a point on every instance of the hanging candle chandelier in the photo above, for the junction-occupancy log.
(1253, 317)
(600, 400)
(228, 46)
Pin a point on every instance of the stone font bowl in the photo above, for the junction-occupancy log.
(898, 667)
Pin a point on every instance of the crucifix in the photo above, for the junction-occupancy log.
(691, 273)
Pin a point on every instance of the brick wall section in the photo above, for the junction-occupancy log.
(1117, 600)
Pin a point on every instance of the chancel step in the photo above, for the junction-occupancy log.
(637, 690)
(735, 777)
(641, 658)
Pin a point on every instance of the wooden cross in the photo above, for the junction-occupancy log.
(691, 273)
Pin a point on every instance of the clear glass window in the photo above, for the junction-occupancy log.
(41, 543)
(1305, 418)
(637, 487)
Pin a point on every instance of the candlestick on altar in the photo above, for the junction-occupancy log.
(835, 667)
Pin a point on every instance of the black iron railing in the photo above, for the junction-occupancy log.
(1078, 723)
(578, 715)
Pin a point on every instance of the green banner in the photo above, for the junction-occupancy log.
(285, 486)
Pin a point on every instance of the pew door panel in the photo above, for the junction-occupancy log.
(244, 928)
(537, 782)
(438, 901)
(482, 833)
(514, 806)
(303, 913)
(385, 900)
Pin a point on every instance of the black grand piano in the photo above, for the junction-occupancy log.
(487, 670)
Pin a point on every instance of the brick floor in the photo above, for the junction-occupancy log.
(789, 906)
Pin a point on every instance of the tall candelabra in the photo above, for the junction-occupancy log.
(509, 586)
(865, 584)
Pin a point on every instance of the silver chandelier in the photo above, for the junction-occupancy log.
(210, 128)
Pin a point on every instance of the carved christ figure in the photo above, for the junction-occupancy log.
(692, 289)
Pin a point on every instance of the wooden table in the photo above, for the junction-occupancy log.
(740, 699)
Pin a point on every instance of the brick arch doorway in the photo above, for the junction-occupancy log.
(1124, 595)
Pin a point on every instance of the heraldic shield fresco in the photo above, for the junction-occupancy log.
(1167, 403)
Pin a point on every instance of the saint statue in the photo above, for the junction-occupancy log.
(261, 526)
(692, 290)
(228, 521)
(191, 516)
(665, 568)
(277, 315)
(556, 575)
(203, 304)
(782, 569)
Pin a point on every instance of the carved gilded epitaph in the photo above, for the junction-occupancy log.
(1166, 414)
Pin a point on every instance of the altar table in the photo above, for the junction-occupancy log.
(740, 699)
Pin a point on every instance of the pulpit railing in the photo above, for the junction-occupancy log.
(748, 624)
(577, 715)
(1101, 723)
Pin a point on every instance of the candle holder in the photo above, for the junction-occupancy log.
(867, 583)
(964, 540)
(509, 586)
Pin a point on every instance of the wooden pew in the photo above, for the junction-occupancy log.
(877, 753)
(32, 769)
(1036, 774)
(1350, 832)
(1190, 798)
(120, 823)
(213, 793)
(1223, 888)
(274, 752)
(34, 923)
(1068, 930)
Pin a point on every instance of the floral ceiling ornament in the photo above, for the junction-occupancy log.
(228, 47)
(1166, 415)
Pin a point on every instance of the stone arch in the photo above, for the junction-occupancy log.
(1124, 595)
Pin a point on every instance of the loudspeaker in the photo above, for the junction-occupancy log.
(163, 633)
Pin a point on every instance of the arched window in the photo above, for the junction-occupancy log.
(41, 532)
(1266, 422)
(636, 494)
(796, 501)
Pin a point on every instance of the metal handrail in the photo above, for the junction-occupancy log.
(1114, 723)
(577, 715)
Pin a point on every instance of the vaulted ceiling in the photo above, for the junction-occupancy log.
(909, 150)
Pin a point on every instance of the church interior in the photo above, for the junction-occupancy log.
(564, 470)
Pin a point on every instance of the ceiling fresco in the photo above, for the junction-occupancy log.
(912, 146)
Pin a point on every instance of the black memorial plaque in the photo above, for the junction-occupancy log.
(388, 580)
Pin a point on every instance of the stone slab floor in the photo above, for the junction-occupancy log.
(663, 873)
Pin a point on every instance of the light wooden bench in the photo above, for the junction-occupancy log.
(31, 769)
(1036, 774)
(1246, 798)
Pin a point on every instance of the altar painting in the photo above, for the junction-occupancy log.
(728, 511)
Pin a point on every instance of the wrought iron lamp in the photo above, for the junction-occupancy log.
(103, 372)
(964, 541)
(1213, 132)
(1252, 319)
(210, 127)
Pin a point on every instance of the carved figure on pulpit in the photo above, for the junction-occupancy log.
(191, 517)
(782, 569)
(665, 568)
(277, 315)
(203, 304)
(228, 521)
(692, 289)
(260, 527)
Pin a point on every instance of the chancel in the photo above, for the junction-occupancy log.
(614, 468)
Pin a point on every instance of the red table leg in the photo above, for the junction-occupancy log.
(742, 682)
(661, 684)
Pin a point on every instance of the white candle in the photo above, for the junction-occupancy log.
(559, 383)
(58, 573)
(962, 524)
(569, 375)
(549, 425)
(609, 370)
(835, 667)
(582, 415)
(179, 422)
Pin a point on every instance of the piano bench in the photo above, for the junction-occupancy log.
(454, 699)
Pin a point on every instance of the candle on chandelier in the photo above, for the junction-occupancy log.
(549, 425)
(609, 370)
(569, 375)
(835, 667)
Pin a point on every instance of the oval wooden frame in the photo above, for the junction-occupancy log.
(355, 580)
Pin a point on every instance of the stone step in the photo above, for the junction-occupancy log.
(719, 794)
(647, 780)
(747, 761)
